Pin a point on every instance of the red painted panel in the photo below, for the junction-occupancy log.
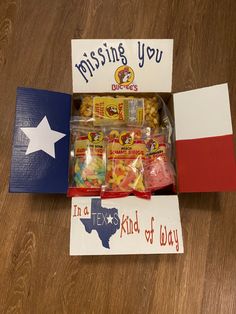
(206, 165)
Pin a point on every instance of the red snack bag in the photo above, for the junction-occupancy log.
(126, 151)
(159, 171)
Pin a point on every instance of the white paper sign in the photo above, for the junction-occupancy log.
(125, 226)
(118, 65)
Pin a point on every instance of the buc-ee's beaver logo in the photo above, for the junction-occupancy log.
(111, 111)
(95, 137)
(152, 146)
(124, 77)
(126, 138)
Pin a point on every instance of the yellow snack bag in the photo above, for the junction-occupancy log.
(108, 110)
(118, 111)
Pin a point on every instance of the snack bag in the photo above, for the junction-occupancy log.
(84, 104)
(151, 111)
(126, 152)
(134, 110)
(159, 171)
(87, 167)
(108, 111)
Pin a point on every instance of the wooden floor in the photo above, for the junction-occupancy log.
(36, 273)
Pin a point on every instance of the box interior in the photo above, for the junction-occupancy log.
(168, 100)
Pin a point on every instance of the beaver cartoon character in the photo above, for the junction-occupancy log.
(111, 111)
(95, 137)
(124, 75)
(126, 139)
(152, 146)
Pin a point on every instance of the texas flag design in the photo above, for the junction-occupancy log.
(204, 140)
(41, 142)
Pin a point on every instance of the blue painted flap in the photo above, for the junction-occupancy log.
(41, 142)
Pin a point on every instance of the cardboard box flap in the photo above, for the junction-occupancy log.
(125, 226)
(122, 65)
(41, 142)
(204, 140)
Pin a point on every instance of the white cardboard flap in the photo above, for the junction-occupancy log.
(202, 112)
(122, 65)
(125, 226)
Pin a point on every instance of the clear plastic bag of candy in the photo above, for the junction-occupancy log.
(87, 160)
(159, 172)
(125, 154)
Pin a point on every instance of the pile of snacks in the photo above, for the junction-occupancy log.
(140, 109)
(120, 145)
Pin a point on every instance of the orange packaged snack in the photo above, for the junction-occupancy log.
(126, 152)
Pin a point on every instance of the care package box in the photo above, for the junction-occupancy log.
(201, 139)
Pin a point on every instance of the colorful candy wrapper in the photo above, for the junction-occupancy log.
(159, 171)
(126, 152)
(87, 163)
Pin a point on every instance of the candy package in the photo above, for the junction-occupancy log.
(126, 153)
(159, 171)
(87, 160)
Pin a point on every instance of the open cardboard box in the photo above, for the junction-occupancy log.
(204, 147)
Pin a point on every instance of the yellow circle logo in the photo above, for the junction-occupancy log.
(124, 75)
(152, 146)
(95, 137)
(111, 111)
(126, 138)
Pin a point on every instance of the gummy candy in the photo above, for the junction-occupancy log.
(159, 172)
(125, 159)
(88, 172)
